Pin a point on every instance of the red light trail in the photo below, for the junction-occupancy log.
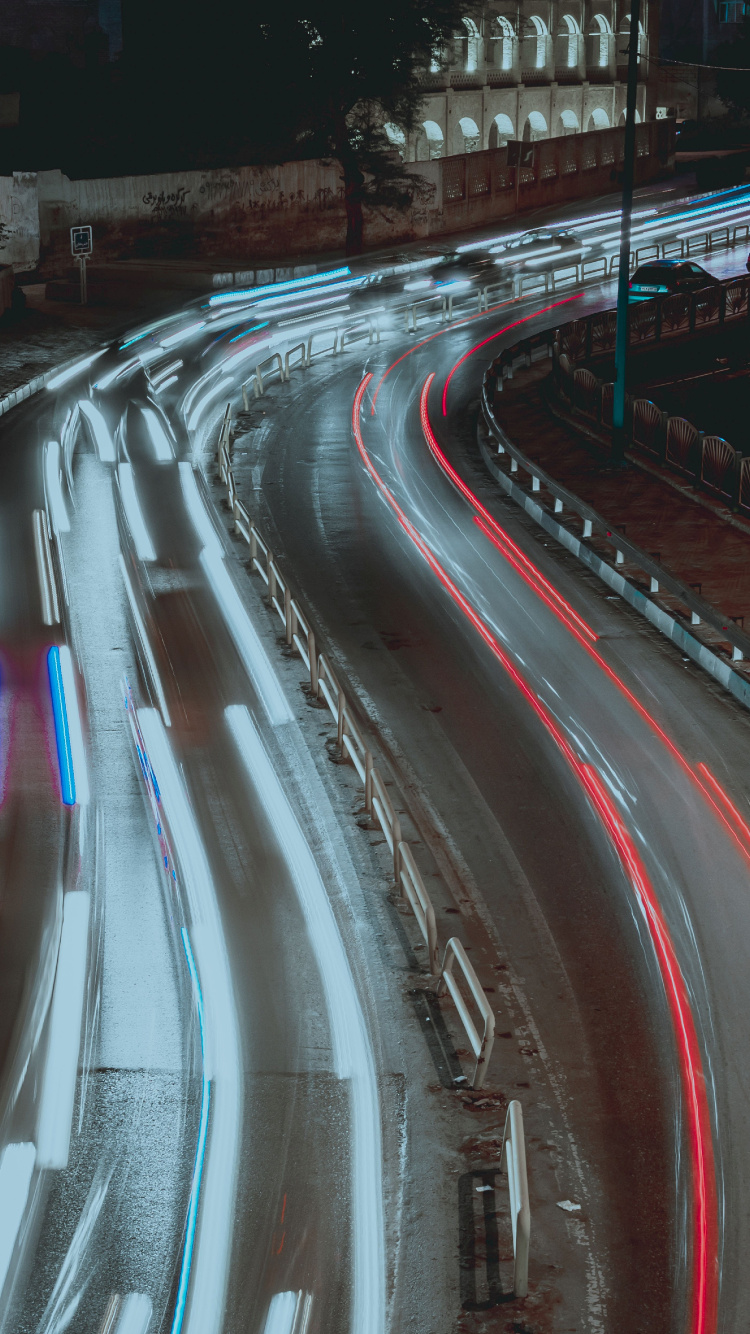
(704, 1296)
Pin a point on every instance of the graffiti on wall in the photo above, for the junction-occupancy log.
(165, 205)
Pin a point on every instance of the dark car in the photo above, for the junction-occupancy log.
(668, 275)
(540, 250)
(468, 264)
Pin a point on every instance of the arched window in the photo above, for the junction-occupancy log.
(598, 120)
(504, 36)
(601, 33)
(473, 45)
(568, 123)
(625, 32)
(637, 117)
(571, 31)
(396, 136)
(535, 127)
(541, 32)
(470, 132)
(434, 136)
(501, 130)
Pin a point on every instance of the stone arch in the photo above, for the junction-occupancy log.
(501, 130)
(570, 34)
(601, 40)
(540, 32)
(625, 32)
(430, 141)
(396, 137)
(637, 117)
(504, 37)
(473, 44)
(568, 123)
(468, 132)
(535, 127)
(598, 120)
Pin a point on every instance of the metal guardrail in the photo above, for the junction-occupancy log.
(514, 1144)
(325, 690)
(482, 1044)
(349, 333)
(45, 569)
(624, 550)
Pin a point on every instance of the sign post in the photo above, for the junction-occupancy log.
(81, 246)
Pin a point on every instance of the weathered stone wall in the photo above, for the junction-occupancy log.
(244, 212)
(19, 220)
(252, 214)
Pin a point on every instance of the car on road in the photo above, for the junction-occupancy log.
(466, 264)
(665, 276)
(539, 250)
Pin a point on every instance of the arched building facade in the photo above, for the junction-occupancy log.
(535, 69)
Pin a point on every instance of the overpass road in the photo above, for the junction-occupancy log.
(205, 1120)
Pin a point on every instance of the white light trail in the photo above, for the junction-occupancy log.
(135, 1313)
(73, 371)
(162, 374)
(313, 319)
(16, 1167)
(223, 1057)
(145, 643)
(53, 480)
(99, 429)
(106, 380)
(200, 407)
(289, 285)
(61, 1066)
(311, 306)
(199, 515)
(195, 389)
(164, 384)
(246, 639)
(183, 334)
(288, 1313)
(159, 438)
(75, 728)
(245, 353)
(133, 513)
(352, 1049)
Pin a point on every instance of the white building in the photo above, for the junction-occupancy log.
(532, 70)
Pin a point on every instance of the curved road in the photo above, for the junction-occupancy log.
(177, 893)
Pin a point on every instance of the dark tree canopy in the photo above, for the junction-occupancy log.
(733, 84)
(233, 83)
(353, 69)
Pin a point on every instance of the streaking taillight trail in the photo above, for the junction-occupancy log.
(704, 1216)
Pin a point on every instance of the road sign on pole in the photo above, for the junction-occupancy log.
(81, 246)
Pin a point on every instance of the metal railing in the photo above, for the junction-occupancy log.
(340, 336)
(593, 524)
(325, 691)
(481, 1044)
(514, 1144)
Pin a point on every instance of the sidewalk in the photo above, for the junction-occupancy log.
(51, 332)
(696, 538)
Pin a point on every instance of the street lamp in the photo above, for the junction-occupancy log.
(623, 282)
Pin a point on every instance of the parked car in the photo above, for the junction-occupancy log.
(540, 250)
(663, 276)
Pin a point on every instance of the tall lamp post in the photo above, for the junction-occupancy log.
(628, 176)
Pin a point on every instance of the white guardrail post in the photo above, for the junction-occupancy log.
(481, 1046)
(514, 1145)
